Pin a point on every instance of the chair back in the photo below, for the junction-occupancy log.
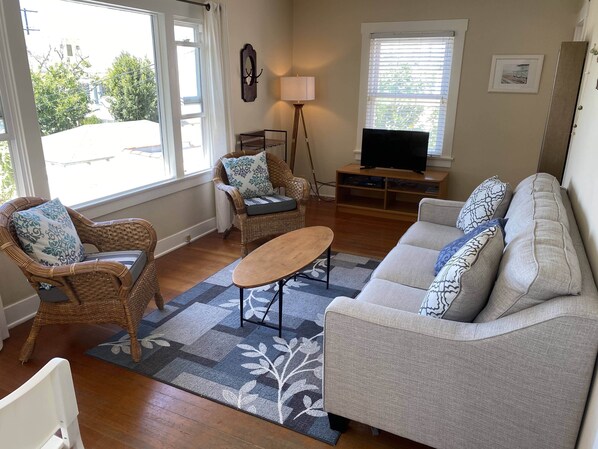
(31, 416)
(278, 171)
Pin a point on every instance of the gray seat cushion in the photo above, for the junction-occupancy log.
(390, 294)
(134, 260)
(430, 235)
(408, 265)
(269, 204)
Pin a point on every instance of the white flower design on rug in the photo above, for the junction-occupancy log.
(196, 344)
(299, 358)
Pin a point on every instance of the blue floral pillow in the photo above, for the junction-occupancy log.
(48, 235)
(447, 252)
(249, 174)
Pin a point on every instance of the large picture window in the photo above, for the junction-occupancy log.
(410, 77)
(96, 98)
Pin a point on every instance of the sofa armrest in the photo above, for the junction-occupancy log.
(519, 382)
(443, 212)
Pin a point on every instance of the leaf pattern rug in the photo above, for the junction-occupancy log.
(196, 344)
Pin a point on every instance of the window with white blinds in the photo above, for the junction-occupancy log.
(410, 75)
(408, 83)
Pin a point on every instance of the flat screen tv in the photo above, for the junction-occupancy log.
(385, 148)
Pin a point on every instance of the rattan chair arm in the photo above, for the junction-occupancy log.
(41, 273)
(297, 188)
(119, 235)
(234, 195)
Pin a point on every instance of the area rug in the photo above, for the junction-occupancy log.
(196, 344)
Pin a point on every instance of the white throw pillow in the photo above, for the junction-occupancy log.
(46, 232)
(489, 200)
(249, 174)
(461, 289)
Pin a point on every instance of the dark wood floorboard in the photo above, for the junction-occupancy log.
(121, 409)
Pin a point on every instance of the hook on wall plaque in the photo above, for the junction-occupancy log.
(249, 73)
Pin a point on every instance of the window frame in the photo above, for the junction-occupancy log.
(459, 27)
(200, 46)
(21, 116)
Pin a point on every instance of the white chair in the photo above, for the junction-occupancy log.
(42, 413)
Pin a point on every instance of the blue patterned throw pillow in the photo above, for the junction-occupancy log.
(447, 252)
(47, 234)
(249, 174)
(461, 289)
(489, 200)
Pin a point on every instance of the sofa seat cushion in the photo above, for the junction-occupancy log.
(489, 200)
(390, 294)
(430, 235)
(461, 288)
(408, 265)
(269, 204)
(538, 264)
(134, 260)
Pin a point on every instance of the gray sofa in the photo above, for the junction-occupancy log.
(518, 376)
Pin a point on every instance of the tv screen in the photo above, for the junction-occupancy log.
(385, 148)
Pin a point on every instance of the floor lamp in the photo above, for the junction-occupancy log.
(299, 89)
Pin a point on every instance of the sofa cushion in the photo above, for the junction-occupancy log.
(134, 260)
(408, 265)
(538, 264)
(47, 234)
(538, 182)
(249, 174)
(462, 287)
(447, 252)
(269, 204)
(390, 294)
(526, 207)
(430, 235)
(489, 200)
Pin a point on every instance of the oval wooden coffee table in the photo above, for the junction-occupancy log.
(279, 260)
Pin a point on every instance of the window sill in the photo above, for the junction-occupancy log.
(115, 203)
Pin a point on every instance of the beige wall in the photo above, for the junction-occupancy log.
(267, 25)
(495, 133)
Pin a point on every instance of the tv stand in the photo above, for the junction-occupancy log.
(387, 193)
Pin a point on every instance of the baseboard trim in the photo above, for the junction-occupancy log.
(21, 311)
(184, 237)
(25, 309)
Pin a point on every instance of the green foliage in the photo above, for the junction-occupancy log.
(60, 96)
(7, 181)
(91, 120)
(398, 114)
(131, 85)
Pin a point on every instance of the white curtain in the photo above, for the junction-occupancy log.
(221, 135)
(3, 326)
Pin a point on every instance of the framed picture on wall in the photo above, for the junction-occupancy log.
(515, 73)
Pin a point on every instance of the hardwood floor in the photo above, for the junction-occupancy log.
(121, 409)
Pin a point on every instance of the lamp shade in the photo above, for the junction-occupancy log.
(297, 88)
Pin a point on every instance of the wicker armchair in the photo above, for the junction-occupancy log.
(95, 291)
(254, 227)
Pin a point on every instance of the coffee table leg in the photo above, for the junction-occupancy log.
(241, 305)
(328, 267)
(280, 287)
